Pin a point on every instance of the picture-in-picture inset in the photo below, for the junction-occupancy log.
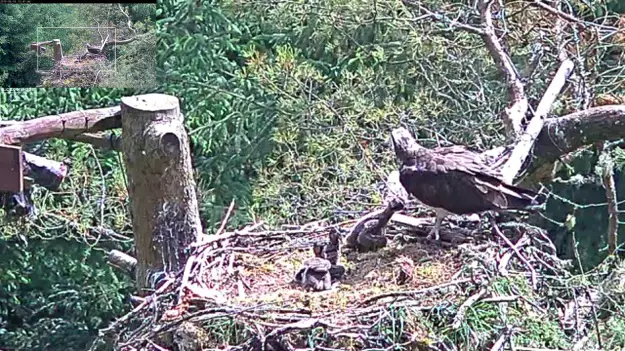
(78, 45)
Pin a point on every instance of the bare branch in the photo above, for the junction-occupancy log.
(63, 125)
(100, 140)
(562, 135)
(610, 194)
(515, 112)
(524, 146)
(129, 23)
(122, 261)
(570, 18)
(444, 19)
(518, 106)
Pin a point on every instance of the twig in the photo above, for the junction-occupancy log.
(185, 275)
(301, 325)
(503, 263)
(594, 317)
(498, 299)
(498, 345)
(517, 252)
(225, 220)
(444, 19)
(465, 307)
(568, 17)
(415, 292)
(121, 321)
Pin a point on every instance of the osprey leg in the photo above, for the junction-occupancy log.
(434, 232)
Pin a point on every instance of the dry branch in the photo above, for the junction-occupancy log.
(523, 148)
(111, 141)
(610, 194)
(122, 261)
(442, 18)
(459, 318)
(65, 125)
(518, 106)
(560, 136)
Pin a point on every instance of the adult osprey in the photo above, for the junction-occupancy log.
(455, 180)
(93, 49)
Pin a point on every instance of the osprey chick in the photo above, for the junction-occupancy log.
(455, 180)
(369, 233)
(319, 272)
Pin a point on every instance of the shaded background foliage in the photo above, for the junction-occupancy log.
(17, 61)
(57, 289)
(288, 106)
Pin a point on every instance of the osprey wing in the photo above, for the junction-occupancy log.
(459, 183)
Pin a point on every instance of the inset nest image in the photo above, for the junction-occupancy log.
(85, 45)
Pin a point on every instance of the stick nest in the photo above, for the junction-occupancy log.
(86, 70)
(237, 291)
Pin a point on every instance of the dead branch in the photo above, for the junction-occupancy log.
(517, 252)
(111, 141)
(516, 110)
(129, 23)
(523, 148)
(565, 16)
(560, 136)
(63, 125)
(118, 42)
(415, 292)
(442, 18)
(462, 310)
(518, 106)
(122, 261)
(610, 194)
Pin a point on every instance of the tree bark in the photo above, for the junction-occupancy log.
(164, 208)
(63, 125)
(123, 261)
(562, 135)
(58, 50)
(524, 145)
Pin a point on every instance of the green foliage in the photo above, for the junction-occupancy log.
(228, 115)
(56, 294)
(58, 290)
(136, 65)
(18, 28)
(22, 24)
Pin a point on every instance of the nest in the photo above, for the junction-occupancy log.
(237, 291)
(85, 70)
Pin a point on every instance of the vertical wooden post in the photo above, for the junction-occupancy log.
(11, 169)
(163, 201)
(58, 50)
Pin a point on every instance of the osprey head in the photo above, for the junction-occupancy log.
(404, 144)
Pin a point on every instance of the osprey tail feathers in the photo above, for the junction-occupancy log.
(510, 197)
(522, 199)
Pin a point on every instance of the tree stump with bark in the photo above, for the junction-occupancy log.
(161, 187)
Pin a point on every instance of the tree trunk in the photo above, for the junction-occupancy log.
(163, 202)
(58, 50)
